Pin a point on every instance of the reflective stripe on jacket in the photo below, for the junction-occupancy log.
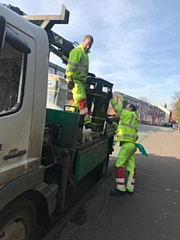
(78, 64)
(127, 129)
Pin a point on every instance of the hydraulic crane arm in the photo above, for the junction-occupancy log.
(60, 46)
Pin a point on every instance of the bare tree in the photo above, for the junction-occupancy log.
(177, 112)
(176, 95)
(144, 99)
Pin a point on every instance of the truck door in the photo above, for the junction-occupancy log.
(16, 98)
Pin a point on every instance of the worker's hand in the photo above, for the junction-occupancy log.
(110, 95)
(108, 120)
(71, 84)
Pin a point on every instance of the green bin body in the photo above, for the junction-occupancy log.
(98, 101)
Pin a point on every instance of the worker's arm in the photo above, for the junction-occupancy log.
(115, 125)
(117, 107)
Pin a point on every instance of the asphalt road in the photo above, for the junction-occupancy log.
(143, 131)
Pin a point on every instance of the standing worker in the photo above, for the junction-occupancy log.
(76, 74)
(126, 135)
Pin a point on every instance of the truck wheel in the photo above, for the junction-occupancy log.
(18, 220)
(101, 169)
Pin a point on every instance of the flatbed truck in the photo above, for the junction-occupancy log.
(42, 152)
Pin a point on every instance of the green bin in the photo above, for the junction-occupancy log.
(97, 90)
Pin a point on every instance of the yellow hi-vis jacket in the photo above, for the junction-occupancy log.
(126, 130)
(78, 64)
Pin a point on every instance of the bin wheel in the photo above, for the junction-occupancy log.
(18, 220)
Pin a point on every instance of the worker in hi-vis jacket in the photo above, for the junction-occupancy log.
(76, 74)
(126, 136)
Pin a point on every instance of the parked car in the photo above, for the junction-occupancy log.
(168, 125)
(175, 126)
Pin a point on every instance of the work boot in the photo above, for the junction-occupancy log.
(117, 192)
(131, 193)
(88, 126)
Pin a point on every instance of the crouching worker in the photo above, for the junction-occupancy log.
(126, 136)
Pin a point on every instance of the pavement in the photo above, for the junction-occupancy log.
(152, 213)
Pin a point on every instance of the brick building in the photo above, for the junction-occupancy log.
(147, 113)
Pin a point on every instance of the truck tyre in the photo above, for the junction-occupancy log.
(18, 220)
(101, 170)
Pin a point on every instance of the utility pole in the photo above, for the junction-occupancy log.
(148, 105)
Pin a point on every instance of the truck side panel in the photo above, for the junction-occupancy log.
(89, 158)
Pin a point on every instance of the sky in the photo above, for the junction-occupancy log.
(136, 43)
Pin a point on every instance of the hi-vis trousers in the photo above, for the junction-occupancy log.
(79, 100)
(125, 159)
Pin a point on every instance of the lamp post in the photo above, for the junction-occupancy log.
(148, 105)
(150, 97)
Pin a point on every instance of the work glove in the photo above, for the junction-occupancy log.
(110, 95)
(108, 120)
(71, 84)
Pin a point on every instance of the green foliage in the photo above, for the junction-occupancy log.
(177, 110)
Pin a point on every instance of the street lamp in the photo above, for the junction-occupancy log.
(150, 98)
(148, 105)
